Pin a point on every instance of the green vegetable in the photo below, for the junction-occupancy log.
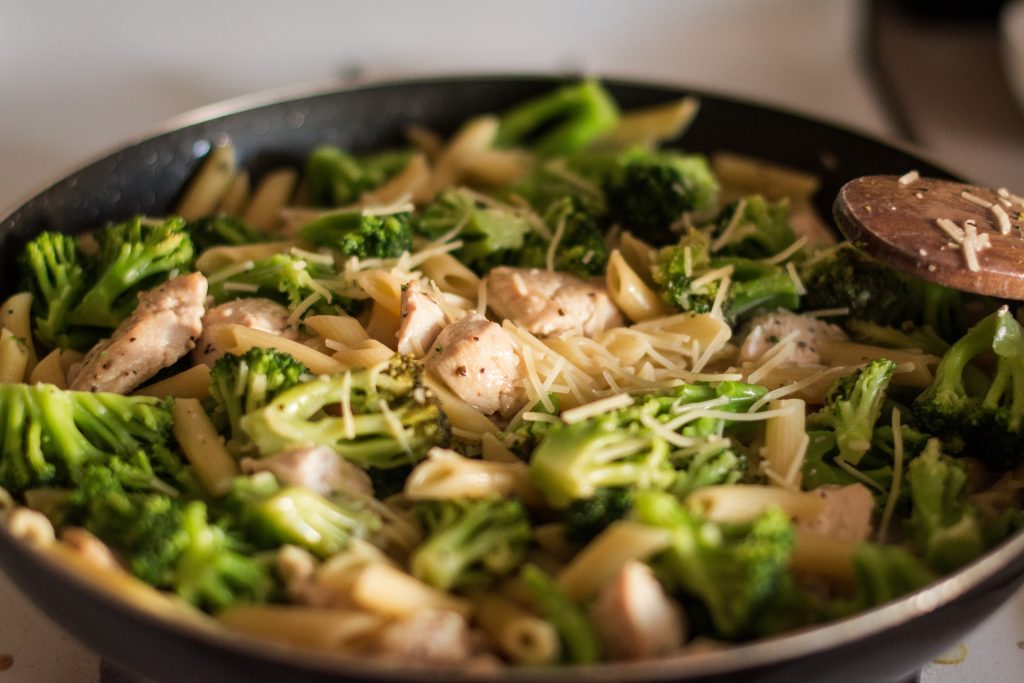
(52, 270)
(213, 231)
(49, 434)
(650, 191)
(761, 230)
(586, 518)
(491, 235)
(945, 529)
(580, 250)
(273, 515)
(733, 570)
(580, 643)
(990, 422)
(852, 408)
(354, 233)
(470, 542)
(243, 384)
(560, 122)
(336, 178)
(395, 419)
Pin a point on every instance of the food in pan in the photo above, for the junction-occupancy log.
(544, 392)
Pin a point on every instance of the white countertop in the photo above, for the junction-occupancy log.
(79, 78)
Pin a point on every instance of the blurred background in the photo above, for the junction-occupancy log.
(79, 78)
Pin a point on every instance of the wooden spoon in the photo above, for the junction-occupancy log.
(897, 222)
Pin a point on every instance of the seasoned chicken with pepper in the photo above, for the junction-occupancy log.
(479, 362)
(259, 314)
(767, 330)
(422, 321)
(548, 303)
(162, 329)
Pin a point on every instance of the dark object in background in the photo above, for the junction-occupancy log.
(885, 644)
(954, 9)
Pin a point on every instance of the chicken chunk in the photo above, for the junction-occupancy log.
(316, 467)
(548, 303)
(429, 636)
(634, 617)
(480, 363)
(259, 314)
(422, 321)
(162, 329)
(767, 330)
(847, 513)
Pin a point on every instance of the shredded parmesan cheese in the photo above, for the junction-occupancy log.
(395, 426)
(786, 253)
(951, 229)
(241, 287)
(553, 246)
(897, 476)
(733, 223)
(229, 272)
(598, 407)
(909, 177)
(974, 199)
(797, 282)
(1002, 219)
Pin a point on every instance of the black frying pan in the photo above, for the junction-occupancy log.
(884, 644)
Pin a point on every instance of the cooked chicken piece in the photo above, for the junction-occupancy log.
(428, 637)
(259, 314)
(89, 548)
(422, 321)
(847, 513)
(162, 329)
(548, 303)
(479, 362)
(767, 330)
(316, 467)
(634, 617)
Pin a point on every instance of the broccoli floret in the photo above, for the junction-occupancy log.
(989, 423)
(883, 573)
(337, 178)
(843, 276)
(49, 433)
(273, 516)
(354, 233)
(733, 570)
(470, 542)
(576, 460)
(760, 230)
(710, 466)
(167, 542)
(52, 270)
(243, 384)
(753, 286)
(580, 249)
(580, 644)
(388, 417)
(213, 231)
(213, 570)
(586, 518)
(560, 122)
(491, 235)
(650, 192)
(554, 180)
(820, 467)
(135, 255)
(852, 407)
(289, 279)
(523, 438)
(945, 529)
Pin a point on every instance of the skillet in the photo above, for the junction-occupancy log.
(268, 131)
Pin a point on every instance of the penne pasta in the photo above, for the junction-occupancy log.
(388, 591)
(191, 383)
(603, 557)
(13, 358)
(270, 196)
(447, 475)
(209, 185)
(16, 316)
(518, 634)
(744, 503)
(629, 291)
(236, 197)
(238, 339)
(333, 630)
(49, 370)
(203, 447)
(451, 276)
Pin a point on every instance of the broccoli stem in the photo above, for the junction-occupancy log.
(577, 634)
